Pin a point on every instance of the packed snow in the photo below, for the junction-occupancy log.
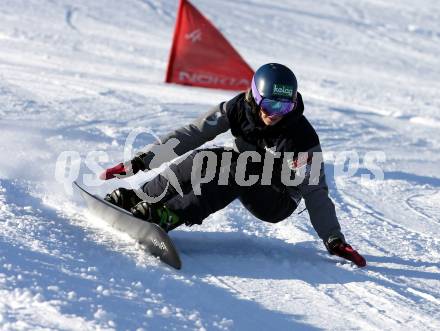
(76, 77)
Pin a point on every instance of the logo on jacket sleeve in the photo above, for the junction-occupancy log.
(301, 161)
(212, 119)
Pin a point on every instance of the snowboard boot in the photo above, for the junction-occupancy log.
(158, 214)
(123, 198)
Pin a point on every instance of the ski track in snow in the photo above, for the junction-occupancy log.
(79, 76)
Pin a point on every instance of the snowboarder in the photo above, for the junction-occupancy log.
(266, 119)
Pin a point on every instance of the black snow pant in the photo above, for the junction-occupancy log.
(270, 203)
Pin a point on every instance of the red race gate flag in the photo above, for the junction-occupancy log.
(201, 56)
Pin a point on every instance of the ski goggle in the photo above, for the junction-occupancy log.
(272, 107)
(276, 107)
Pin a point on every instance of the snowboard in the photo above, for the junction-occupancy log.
(155, 240)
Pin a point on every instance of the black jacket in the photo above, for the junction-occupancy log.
(292, 136)
(293, 133)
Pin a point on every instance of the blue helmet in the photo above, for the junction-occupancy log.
(274, 81)
(274, 88)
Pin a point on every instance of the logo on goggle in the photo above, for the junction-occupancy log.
(282, 90)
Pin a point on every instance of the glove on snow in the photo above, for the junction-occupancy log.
(123, 169)
(336, 246)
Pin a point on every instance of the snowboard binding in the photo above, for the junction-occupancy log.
(123, 198)
(158, 214)
(153, 213)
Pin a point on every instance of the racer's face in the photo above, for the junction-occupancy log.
(269, 120)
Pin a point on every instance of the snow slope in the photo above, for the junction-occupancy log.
(80, 75)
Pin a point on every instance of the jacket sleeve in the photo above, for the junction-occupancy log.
(186, 138)
(314, 190)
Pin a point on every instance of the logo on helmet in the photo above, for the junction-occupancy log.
(282, 90)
